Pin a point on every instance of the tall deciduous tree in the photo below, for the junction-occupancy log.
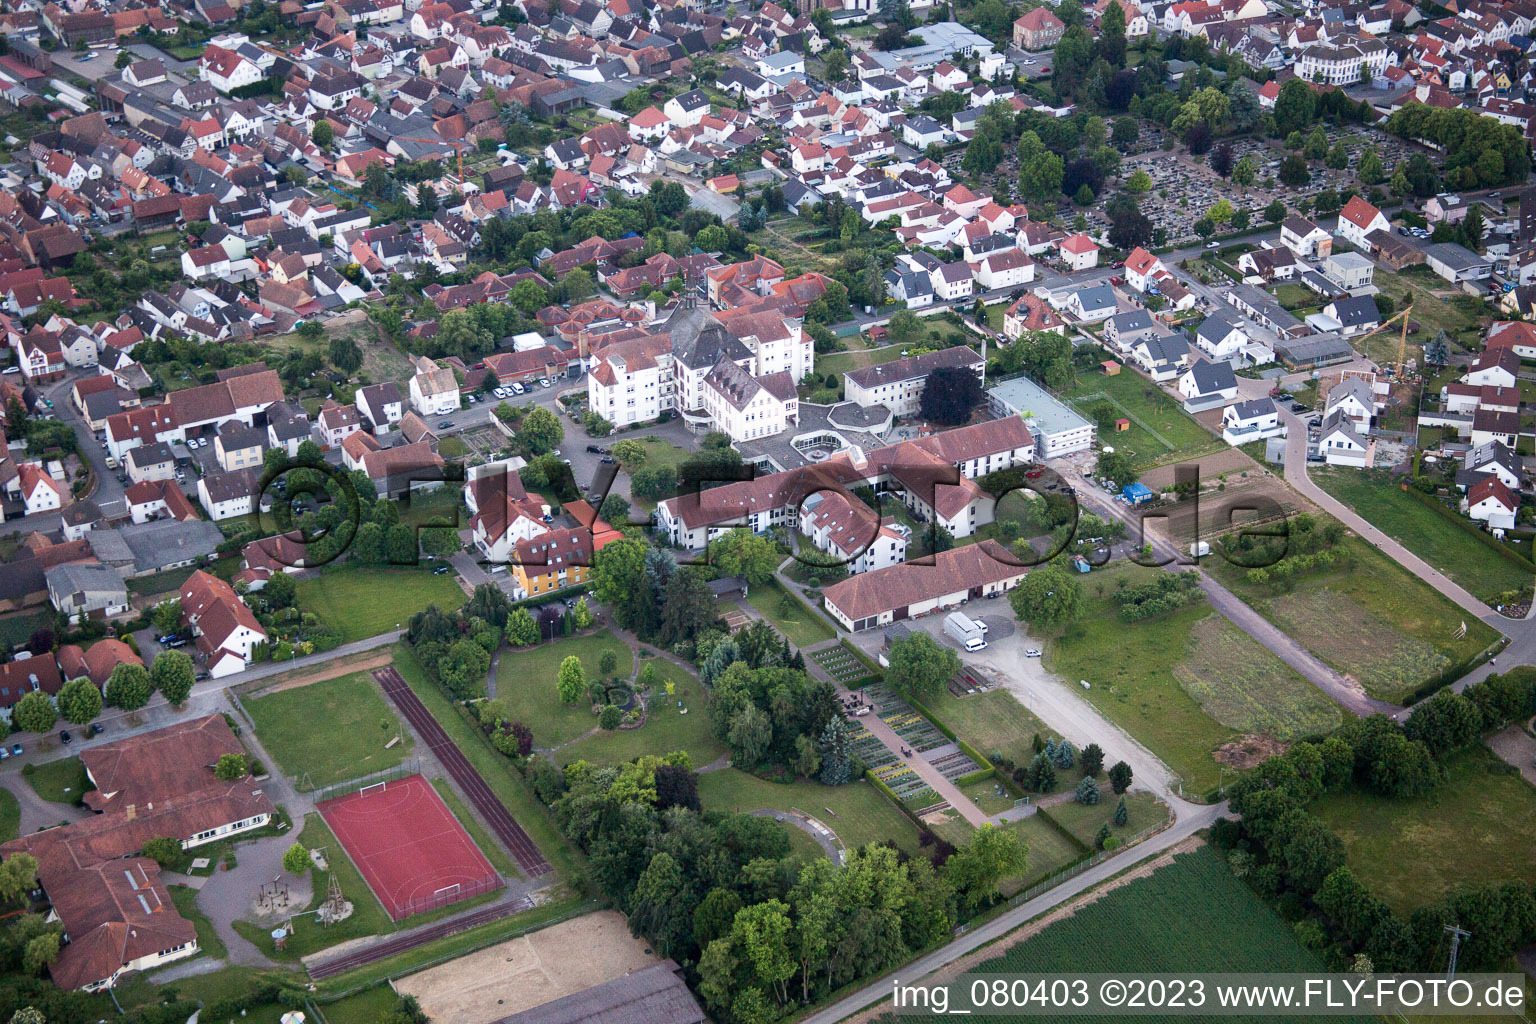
(129, 687)
(79, 701)
(920, 665)
(572, 680)
(1048, 597)
(950, 395)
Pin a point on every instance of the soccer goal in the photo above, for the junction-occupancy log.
(372, 787)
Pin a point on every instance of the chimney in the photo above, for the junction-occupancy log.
(130, 812)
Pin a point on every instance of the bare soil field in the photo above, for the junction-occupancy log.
(529, 971)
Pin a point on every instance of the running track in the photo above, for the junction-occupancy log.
(529, 860)
(417, 937)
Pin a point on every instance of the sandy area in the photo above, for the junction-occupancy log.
(529, 971)
(333, 669)
(1518, 748)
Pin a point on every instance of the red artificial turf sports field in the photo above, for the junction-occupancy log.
(409, 847)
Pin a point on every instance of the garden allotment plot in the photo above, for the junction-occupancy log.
(916, 733)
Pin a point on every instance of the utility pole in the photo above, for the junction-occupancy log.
(1456, 934)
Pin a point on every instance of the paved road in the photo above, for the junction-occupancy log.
(1345, 692)
(1190, 821)
(1296, 476)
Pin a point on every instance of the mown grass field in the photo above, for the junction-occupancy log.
(1082, 821)
(1130, 669)
(1245, 687)
(992, 722)
(667, 727)
(1381, 502)
(1369, 618)
(1191, 915)
(801, 627)
(1479, 826)
(525, 682)
(333, 730)
(10, 816)
(1174, 435)
(362, 602)
(858, 812)
(61, 782)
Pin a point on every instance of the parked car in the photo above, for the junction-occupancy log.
(96, 729)
(15, 749)
(65, 737)
(607, 460)
(445, 425)
(111, 462)
(544, 382)
(442, 570)
(1033, 652)
(595, 449)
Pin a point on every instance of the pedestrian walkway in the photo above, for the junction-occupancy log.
(915, 760)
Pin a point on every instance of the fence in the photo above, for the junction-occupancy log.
(1078, 867)
(445, 896)
(350, 786)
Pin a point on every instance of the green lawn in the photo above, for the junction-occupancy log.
(499, 858)
(1049, 850)
(1082, 821)
(361, 602)
(367, 918)
(10, 816)
(658, 452)
(424, 506)
(1294, 296)
(1222, 926)
(993, 722)
(1246, 687)
(1130, 667)
(839, 363)
(857, 812)
(1370, 618)
(1479, 826)
(666, 727)
(186, 905)
(1160, 431)
(525, 683)
(793, 620)
(506, 784)
(16, 629)
(331, 731)
(61, 782)
(366, 1007)
(1380, 501)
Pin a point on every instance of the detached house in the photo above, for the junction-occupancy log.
(1358, 219)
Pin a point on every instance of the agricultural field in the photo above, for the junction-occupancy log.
(1379, 500)
(1138, 674)
(1368, 617)
(525, 683)
(858, 812)
(1222, 926)
(330, 731)
(1160, 431)
(1479, 825)
(347, 598)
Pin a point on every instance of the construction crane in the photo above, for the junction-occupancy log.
(1402, 340)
